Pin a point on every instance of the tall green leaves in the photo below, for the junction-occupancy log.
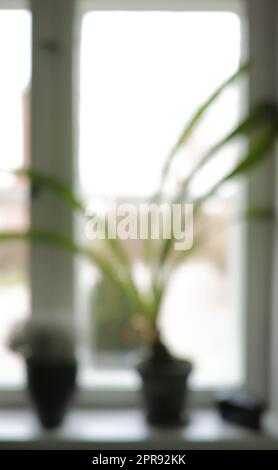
(263, 115)
(259, 149)
(259, 126)
(261, 121)
(40, 181)
(64, 192)
(197, 116)
(69, 244)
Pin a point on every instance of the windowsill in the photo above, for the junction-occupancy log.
(108, 388)
(123, 429)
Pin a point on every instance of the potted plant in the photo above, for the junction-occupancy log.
(48, 351)
(164, 376)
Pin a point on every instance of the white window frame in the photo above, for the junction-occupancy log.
(56, 33)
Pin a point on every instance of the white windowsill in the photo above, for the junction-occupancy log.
(126, 429)
(107, 388)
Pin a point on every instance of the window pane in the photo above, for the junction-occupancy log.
(15, 61)
(142, 76)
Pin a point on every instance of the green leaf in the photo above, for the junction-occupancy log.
(40, 180)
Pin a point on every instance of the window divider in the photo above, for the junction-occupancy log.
(52, 272)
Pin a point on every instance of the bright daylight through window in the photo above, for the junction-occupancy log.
(142, 76)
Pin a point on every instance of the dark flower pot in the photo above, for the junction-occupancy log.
(164, 387)
(51, 387)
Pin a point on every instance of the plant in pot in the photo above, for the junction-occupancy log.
(164, 376)
(51, 367)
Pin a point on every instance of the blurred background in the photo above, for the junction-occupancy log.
(97, 93)
(145, 87)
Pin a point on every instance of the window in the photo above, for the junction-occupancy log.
(15, 60)
(142, 75)
(133, 98)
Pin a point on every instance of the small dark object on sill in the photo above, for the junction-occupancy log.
(241, 408)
